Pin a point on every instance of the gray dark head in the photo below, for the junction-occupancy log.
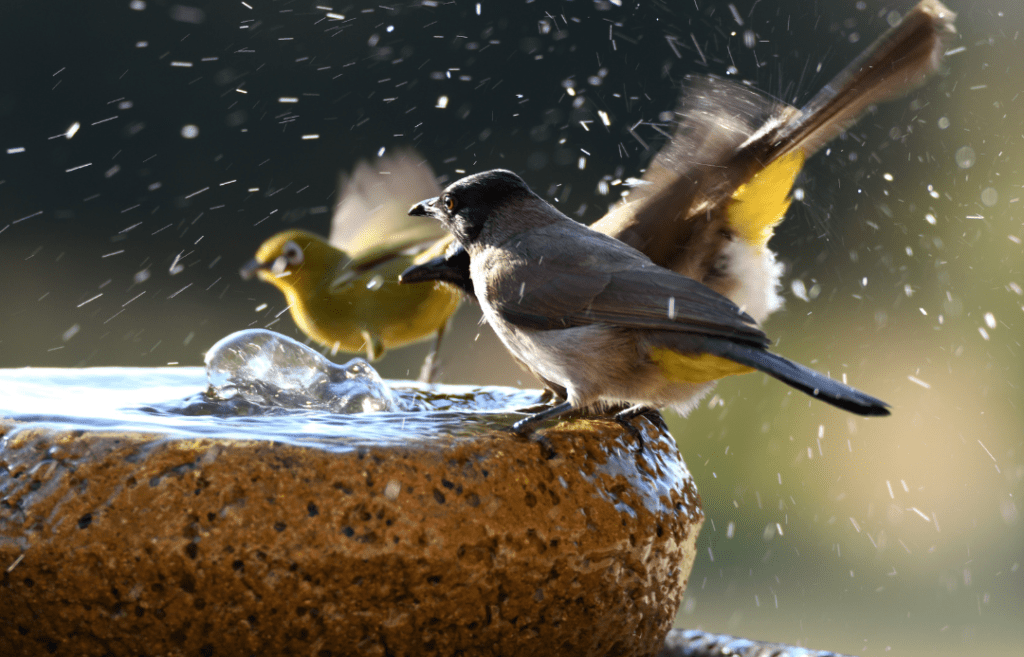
(465, 206)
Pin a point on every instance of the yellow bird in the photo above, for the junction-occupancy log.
(343, 292)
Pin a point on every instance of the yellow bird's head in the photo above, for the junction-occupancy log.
(294, 261)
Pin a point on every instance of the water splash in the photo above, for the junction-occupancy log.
(271, 370)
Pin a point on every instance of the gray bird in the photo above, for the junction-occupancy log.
(597, 318)
(709, 200)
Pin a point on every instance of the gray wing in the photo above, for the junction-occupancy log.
(601, 281)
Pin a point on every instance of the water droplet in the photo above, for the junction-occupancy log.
(799, 289)
(190, 131)
(989, 196)
(965, 157)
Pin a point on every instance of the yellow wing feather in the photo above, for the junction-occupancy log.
(760, 203)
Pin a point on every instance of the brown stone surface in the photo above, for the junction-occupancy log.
(135, 544)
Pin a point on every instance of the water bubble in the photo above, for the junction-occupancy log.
(271, 369)
(965, 157)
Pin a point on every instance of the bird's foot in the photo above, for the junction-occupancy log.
(528, 424)
(625, 419)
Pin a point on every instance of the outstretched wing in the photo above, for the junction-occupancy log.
(371, 216)
(604, 282)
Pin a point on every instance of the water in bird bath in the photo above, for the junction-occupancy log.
(255, 382)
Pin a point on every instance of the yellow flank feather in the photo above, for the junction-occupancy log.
(761, 202)
(694, 368)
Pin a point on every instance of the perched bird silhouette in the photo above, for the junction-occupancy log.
(596, 317)
(708, 203)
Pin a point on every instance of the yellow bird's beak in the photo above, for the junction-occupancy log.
(251, 268)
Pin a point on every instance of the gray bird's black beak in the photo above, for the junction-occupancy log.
(250, 268)
(452, 268)
(422, 209)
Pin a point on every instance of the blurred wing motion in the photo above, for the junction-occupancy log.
(371, 218)
(716, 191)
(712, 196)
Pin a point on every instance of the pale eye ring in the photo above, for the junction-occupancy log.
(292, 253)
(449, 202)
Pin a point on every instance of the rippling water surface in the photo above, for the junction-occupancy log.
(174, 400)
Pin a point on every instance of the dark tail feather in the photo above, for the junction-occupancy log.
(804, 379)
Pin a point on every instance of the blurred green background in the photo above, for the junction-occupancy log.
(120, 246)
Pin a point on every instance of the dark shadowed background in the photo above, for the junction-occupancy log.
(203, 128)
